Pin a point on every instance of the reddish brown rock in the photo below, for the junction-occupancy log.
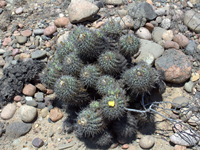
(55, 114)
(8, 111)
(125, 146)
(15, 52)
(180, 147)
(41, 87)
(149, 26)
(50, 30)
(182, 40)
(61, 22)
(17, 98)
(29, 90)
(2, 4)
(99, 24)
(175, 65)
(26, 33)
(171, 44)
(6, 41)
(49, 91)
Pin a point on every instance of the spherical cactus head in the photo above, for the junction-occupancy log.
(125, 126)
(70, 89)
(89, 75)
(112, 62)
(104, 83)
(129, 45)
(94, 105)
(112, 29)
(139, 78)
(89, 123)
(112, 106)
(104, 139)
(72, 64)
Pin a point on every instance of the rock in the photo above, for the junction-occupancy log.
(61, 22)
(38, 31)
(143, 33)
(147, 142)
(149, 26)
(8, 111)
(114, 2)
(15, 52)
(179, 126)
(68, 145)
(194, 77)
(185, 114)
(125, 146)
(6, 41)
(38, 54)
(39, 96)
(2, 4)
(127, 22)
(171, 45)
(44, 112)
(185, 138)
(17, 98)
(2, 51)
(99, 24)
(190, 48)
(182, 40)
(79, 12)
(50, 30)
(32, 103)
(159, 19)
(175, 65)
(179, 147)
(29, 90)
(189, 86)
(41, 87)
(192, 20)
(194, 120)
(21, 39)
(41, 105)
(62, 39)
(180, 102)
(160, 12)
(166, 23)
(19, 10)
(168, 35)
(55, 114)
(157, 34)
(27, 113)
(16, 129)
(5, 18)
(37, 142)
(49, 91)
(24, 56)
(146, 57)
(142, 10)
(2, 62)
(156, 49)
(26, 33)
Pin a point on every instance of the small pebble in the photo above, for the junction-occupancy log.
(125, 146)
(37, 142)
(194, 77)
(19, 10)
(55, 114)
(17, 98)
(147, 142)
(8, 111)
(44, 112)
(29, 90)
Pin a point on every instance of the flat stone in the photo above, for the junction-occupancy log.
(185, 138)
(8, 111)
(27, 113)
(39, 96)
(175, 65)
(32, 103)
(156, 49)
(114, 2)
(38, 31)
(171, 45)
(68, 145)
(55, 114)
(157, 34)
(146, 57)
(188, 86)
(194, 77)
(38, 54)
(21, 39)
(180, 102)
(192, 20)
(41, 87)
(16, 129)
(26, 33)
(79, 12)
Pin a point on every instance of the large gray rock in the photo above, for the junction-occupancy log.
(81, 10)
(16, 129)
(185, 138)
(192, 20)
(151, 47)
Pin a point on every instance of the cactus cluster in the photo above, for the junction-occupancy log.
(87, 73)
